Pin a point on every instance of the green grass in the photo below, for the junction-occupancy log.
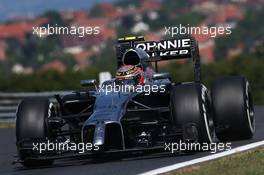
(248, 163)
(7, 125)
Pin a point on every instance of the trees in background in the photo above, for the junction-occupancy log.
(248, 35)
(249, 65)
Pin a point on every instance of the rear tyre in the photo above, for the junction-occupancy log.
(190, 109)
(31, 123)
(233, 109)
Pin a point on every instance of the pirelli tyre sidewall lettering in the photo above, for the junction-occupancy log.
(249, 108)
(206, 117)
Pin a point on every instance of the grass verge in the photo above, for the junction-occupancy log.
(7, 125)
(247, 163)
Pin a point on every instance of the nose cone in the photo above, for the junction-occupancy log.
(103, 128)
(99, 134)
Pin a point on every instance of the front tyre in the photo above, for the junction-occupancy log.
(31, 123)
(190, 110)
(233, 108)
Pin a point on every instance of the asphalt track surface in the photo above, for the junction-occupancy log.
(134, 165)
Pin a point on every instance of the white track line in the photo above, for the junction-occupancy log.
(204, 159)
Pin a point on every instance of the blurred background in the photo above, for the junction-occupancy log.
(29, 63)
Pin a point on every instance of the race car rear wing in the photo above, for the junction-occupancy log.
(182, 47)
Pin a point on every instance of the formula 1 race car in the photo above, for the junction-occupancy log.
(149, 111)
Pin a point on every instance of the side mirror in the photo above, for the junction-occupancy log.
(89, 82)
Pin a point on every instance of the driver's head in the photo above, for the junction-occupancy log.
(130, 74)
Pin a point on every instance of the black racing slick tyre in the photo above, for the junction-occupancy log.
(31, 124)
(233, 109)
(190, 110)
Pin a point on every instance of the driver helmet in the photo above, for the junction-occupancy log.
(130, 74)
